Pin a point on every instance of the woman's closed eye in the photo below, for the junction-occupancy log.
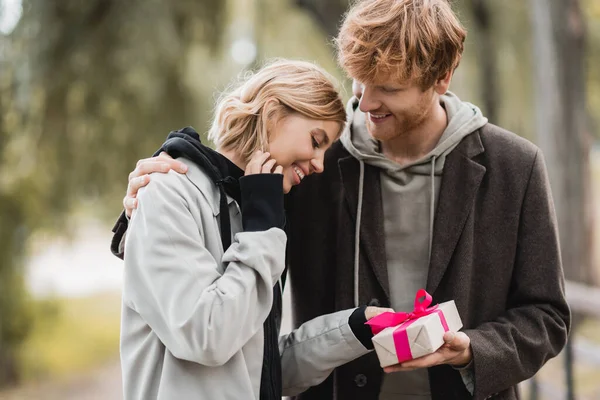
(315, 143)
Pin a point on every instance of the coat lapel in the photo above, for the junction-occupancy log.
(372, 241)
(460, 183)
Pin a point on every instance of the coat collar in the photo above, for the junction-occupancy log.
(461, 179)
(206, 187)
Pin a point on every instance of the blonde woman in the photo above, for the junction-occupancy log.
(205, 252)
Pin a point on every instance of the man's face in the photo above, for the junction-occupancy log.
(394, 109)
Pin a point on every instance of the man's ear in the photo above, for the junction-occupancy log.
(443, 83)
(357, 88)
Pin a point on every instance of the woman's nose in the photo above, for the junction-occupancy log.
(317, 164)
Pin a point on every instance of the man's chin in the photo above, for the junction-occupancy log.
(378, 134)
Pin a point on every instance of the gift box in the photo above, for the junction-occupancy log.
(400, 337)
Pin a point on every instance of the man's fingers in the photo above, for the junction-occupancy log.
(278, 170)
(129, 204)
(177, 166)
(150, 167)
(140, 176)
(143, 160)
(163, 156)
(453, 351)
(426, 361)
(457, 341)
(396, 368)
(135, 184)
(157, 164)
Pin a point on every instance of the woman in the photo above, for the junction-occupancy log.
(205, 252)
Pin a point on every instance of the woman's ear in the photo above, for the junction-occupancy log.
(271, 114)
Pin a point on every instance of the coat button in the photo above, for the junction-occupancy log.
(374, 303)
(360, 380)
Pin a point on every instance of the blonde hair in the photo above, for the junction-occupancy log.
(406, 40)
(244, 116)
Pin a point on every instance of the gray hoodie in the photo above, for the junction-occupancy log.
(409, 194)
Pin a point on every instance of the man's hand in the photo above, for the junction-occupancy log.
(140, 176)
(456, 352)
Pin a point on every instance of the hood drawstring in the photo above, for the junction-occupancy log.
(432, 205)
(361, 181)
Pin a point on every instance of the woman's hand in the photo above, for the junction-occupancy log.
(372, 312)
(261, 164)
(140, 176)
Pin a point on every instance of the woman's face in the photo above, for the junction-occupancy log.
(298, 144)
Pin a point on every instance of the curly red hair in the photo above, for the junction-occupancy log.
(405, 40)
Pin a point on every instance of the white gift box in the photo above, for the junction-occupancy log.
(423, 335)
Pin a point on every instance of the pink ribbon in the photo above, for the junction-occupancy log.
(390, 319)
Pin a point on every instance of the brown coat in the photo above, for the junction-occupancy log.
(495, 252)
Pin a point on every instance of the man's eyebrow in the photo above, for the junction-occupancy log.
(322, 133)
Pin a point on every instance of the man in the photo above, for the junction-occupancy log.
(422, 192)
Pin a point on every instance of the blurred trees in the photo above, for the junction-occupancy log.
(487, 55)
(327, 13)
(562, 124)
(87, 87)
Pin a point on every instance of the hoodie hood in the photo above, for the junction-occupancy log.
(186, 143)
(403, 190)
(463, 119)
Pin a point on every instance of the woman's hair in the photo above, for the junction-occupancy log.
(404, 40)
(244, 116)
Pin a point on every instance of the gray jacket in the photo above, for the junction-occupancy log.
(192, 314)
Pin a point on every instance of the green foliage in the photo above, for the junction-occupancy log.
(592, 12)
(70, 336)
(87, 88)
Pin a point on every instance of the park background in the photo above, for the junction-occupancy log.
(87, 87)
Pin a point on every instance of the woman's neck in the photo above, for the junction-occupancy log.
(233, 157)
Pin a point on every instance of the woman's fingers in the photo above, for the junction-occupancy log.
(255, 164)
(268, 166)
(372, 312)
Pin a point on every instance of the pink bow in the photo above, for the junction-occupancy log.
(389, 319)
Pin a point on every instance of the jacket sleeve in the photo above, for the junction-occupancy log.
(310, 353)
(173, 281)
(535, 326)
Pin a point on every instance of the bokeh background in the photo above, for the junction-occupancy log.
(87, 87)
